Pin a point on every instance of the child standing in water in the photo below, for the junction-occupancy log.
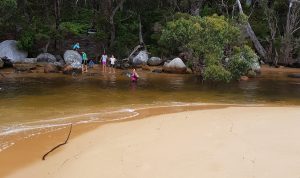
(84, 62)
(134, 76)
(112, 64)
(104, 60)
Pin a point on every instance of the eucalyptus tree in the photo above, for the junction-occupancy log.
(272, 18)
(109, 9)
(292, 26)
(259, 48)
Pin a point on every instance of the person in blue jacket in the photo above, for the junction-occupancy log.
(76, 47)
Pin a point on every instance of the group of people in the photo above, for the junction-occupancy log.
(108, 62)
(105, 61)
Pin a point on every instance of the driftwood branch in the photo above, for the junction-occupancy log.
(134, 50)
(45, 155)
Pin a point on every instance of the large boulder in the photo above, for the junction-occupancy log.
(59, 58)
(73, 58)
(155, 61)
(1, 63)
(256, 67)
(175, 66)
(30, 60)
(122, 64)
(7, 62)
(140, 59)
(60, 63)
(10, 50)
(46, 57)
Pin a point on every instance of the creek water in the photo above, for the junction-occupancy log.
(36, 101)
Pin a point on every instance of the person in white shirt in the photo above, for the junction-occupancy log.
(112, 61)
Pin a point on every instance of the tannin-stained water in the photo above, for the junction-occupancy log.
(44, 100)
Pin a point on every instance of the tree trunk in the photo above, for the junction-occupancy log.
(112, 30)
(259, 48)
(272, 24)
(112, 24)
(57, 6)
(45, 49)
(195, 6)
(140, 31)
(292, 26)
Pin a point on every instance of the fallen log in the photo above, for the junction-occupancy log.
(45, 155)
(134, 50)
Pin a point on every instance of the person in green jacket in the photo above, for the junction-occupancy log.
(84, 62)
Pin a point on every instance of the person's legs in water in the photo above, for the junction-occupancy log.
(113, 68)
(82, 66)
(86, 67)
(103, 65)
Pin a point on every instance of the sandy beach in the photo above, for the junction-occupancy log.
(231, 142)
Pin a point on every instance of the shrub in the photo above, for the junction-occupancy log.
(242, 61)
(26, 40)
(216, 73)
(238, 67)
(210, 39)
(74, 28)
(179, 33)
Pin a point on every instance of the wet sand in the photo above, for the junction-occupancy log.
(217, 141)
(27, 151)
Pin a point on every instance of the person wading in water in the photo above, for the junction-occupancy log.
(134, 76)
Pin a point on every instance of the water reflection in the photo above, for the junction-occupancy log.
(36, 98)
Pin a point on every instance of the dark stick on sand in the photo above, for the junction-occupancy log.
(45, 155)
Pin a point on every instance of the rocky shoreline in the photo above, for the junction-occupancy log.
(70, 61)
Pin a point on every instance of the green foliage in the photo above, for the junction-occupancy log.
(27, 40)
(42, 36)
(216, 73)
(211, 38)
(215, 34)
(242, 61)
(243, 18)
(7, 10)
(207, 11)
(79, 15)
(127, 36)
(179, 33)
(74, 28)
(238, 67)
(208, 37)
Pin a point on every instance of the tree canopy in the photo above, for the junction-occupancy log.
(210, 31)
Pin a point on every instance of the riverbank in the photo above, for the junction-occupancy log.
(227, 141)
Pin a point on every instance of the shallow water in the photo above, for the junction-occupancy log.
(34, 101)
